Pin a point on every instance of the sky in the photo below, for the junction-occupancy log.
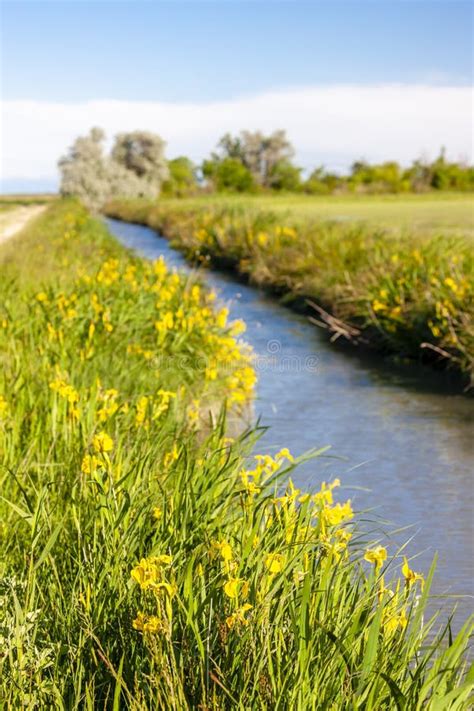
(373, 79)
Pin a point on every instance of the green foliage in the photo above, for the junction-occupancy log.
(258, 153)
(285, 176)
(384, 178)
(443, 175)
(181, 181)
(229, 175)
(390, 177)
(320, 182)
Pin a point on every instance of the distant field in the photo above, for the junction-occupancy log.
(449, 213)
(9, 201)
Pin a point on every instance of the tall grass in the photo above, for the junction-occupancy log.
(411, 297)
(149, 561)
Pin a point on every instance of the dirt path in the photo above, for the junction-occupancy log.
(12, 221)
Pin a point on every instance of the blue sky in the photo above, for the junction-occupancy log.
(206, 67)
(175, 51)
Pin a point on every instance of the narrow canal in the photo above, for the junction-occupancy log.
(403, 448)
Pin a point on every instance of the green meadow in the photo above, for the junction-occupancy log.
(433, 213)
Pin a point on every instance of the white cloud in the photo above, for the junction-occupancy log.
(329, 124)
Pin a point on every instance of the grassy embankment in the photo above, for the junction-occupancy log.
(147, 561)
(407, 292)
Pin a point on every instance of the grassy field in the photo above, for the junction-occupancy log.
(148, 560)
(7, 201)
(432, 213)
(404, 292)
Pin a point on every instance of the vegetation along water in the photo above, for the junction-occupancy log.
(410, 294)
(150, 560)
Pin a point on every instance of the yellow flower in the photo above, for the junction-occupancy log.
(338, 513)
(171, 457)
(225, 550)
(141, 409)
(164, 559)
(232, 587)
(90, 463)
(238, 617)
(221, 317)
(378, 305)
(102, 442)
(238, 327)
(343, 536)
(157, 513)
(274, 562)
(391, 624)
(451, 284)
(251, 488)
(285, 454)
(148, 623)
(410, 576)
(42, 297)
(145, 574)
(148, 572)
(324, 495)
(3, 407)
(377, 556)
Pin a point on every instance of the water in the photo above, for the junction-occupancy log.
(402, 447)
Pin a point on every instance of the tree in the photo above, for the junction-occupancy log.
(182, 177)
(285, 176)
(229, 174)
(320, 182)
(378, 178)
(257, 152)
(143, 153)
(95, 178)
(84, 170)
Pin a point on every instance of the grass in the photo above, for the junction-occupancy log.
(425, 214)
(148, 560)
(410, 295)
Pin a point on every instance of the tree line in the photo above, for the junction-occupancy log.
(250, 162)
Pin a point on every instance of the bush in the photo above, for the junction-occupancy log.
(229, 175)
